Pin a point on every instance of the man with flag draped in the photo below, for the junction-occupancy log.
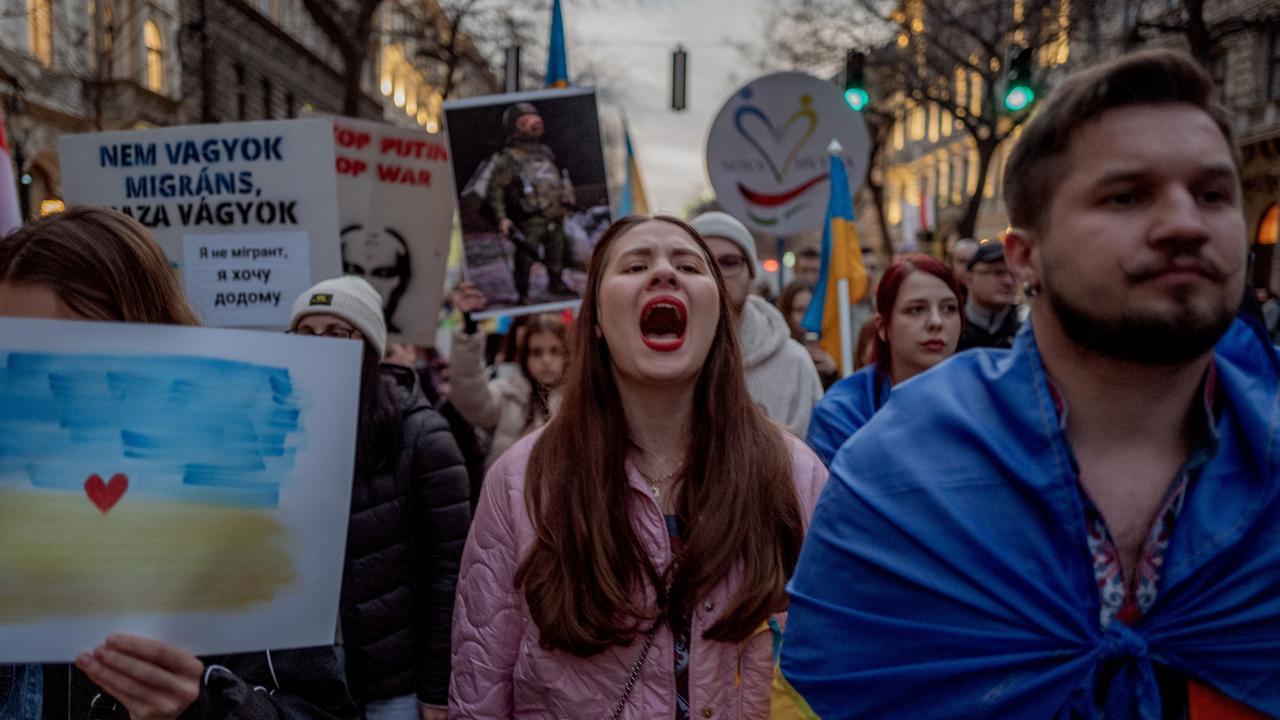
(1085, 525)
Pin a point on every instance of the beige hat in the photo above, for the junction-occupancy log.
(351, 298)
(723, 225)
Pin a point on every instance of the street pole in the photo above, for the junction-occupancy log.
(782, 250)
(15, 106)
(24, 183)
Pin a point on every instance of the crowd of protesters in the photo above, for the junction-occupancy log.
(1054, 483)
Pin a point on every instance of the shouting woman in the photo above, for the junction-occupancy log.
(629, 560)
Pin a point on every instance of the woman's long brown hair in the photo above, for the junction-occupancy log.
(103, 264)
(584, 578)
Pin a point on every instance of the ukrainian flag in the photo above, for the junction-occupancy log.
(633, 200)
(841, 260)
(557, 62)
(785, 701)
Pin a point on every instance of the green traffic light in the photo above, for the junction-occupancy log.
(856, 97)
(1019, 98)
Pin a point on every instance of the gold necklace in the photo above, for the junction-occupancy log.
(655, 486)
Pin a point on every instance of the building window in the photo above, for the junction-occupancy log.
(944, 180)
(971, 184)
(266, 99)
(1269, 226)
(155, 57)
(1273, 67)
(957, 176)
(290, 105)
(40, 30)
(976, 89)
(1130, 15)
(242, 100)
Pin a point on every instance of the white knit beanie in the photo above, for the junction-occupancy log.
(351, 298)
(723, 225)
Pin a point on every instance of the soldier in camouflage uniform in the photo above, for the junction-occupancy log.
(528, 194)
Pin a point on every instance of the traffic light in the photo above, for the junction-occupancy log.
(855, 83)
(679, 78)
(1019, 90)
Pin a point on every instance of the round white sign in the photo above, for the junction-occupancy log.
(767, 151)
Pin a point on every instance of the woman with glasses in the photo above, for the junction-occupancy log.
(917, 325)
(410, 510)
(507, 408)
(97, 264)
(629, 559)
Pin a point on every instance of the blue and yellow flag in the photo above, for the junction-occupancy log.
(557, 62)
(633, 200)
(841, 260)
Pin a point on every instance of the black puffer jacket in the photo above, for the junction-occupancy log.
(404, 544)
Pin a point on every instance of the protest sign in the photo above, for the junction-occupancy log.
(266, 182)
(396, 211)
(186, 484)
(532, 195)
(767, 151)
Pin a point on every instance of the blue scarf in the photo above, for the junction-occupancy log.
(846, 407)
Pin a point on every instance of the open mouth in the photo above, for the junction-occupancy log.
(662, 323)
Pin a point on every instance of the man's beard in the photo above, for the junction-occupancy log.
(1152, 339)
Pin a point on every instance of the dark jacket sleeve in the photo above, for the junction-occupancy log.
(301, 684)
(441, 518)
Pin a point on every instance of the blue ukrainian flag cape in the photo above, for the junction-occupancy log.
(946, 572)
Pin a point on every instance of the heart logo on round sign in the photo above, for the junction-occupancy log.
(106, 494)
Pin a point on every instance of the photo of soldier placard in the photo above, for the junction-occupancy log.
(532, 197)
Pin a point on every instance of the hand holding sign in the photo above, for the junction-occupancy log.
(468, 298)
(153, 680)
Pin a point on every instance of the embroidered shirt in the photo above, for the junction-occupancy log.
(1129, 602)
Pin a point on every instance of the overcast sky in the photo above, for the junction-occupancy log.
(635, 38)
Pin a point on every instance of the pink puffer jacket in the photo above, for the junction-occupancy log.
(499, 670)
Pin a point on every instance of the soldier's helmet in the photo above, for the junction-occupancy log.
(515, 112)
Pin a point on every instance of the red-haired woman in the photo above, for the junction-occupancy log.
(629, 559)
(918, 323)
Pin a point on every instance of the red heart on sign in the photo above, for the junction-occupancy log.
(106, 495)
